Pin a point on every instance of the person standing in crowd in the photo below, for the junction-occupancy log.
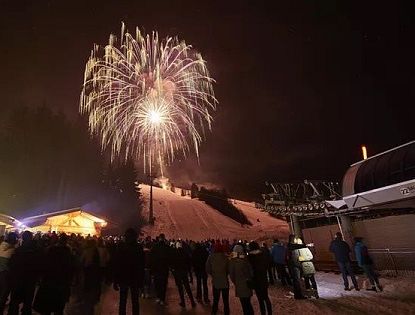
(303, 258)
(7, 248)
(293, 267)
(129, 271)
(24, 273)
(271, 269)
(366, 263)
(217, 266)
(160, 257)
(341, 251)
(279, 253)
(90, 261)
(199, 258)
(240, 272)
(104, 258)
(147, 270)
(260, 260)
(57, 273)
(180, 265)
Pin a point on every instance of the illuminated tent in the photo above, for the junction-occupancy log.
(68, 221)
(8, 223)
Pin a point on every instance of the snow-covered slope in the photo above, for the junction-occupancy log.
(182, 217)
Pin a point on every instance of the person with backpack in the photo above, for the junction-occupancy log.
(304, 260)
(366, 263)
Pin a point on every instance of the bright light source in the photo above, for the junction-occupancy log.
(364, 152)
(154, 117)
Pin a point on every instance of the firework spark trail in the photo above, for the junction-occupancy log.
(147, 98)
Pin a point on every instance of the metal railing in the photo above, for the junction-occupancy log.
(394, 261)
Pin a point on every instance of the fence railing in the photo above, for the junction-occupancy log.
(394, 261)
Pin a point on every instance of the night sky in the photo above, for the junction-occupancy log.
(301, 84)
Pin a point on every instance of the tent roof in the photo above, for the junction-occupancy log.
(63, 212)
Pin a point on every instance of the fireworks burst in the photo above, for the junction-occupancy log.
(147, 98)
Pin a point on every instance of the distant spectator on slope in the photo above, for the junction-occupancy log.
(217, 266)
(366, 263)
(341, 251)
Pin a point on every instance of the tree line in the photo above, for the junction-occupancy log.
(49, 162)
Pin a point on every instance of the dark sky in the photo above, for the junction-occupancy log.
(301, 84)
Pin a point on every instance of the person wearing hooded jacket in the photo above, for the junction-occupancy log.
(240, 272)
(217, 265)
(366, 263)
(180, 265)
(7, 248)
(259, 261)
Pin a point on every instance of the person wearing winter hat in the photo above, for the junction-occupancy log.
(217, 266)
(240, 272)
(7, 248)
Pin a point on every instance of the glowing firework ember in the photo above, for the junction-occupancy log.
(147, 98)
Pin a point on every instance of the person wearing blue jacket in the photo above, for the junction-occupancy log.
(341, 251)
(366, 263)
(279, 257)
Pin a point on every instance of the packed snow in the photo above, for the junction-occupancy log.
(398, 297)
(182, 217)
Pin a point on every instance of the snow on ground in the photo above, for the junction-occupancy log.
(398, 298)
(181, 217)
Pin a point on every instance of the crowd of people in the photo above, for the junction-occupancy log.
(42, 272)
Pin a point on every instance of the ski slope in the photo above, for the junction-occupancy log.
(182, 217)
